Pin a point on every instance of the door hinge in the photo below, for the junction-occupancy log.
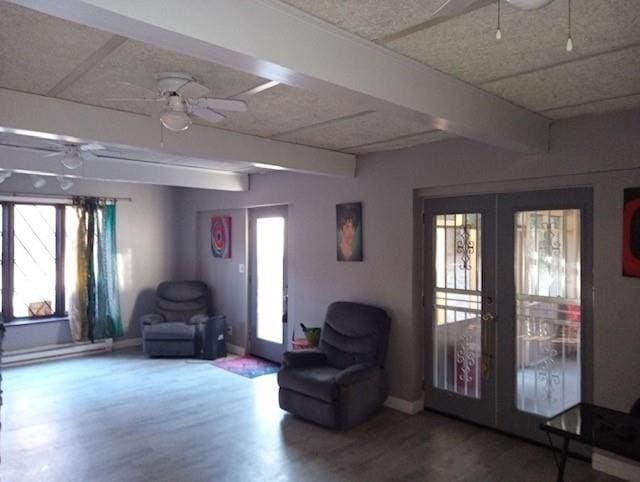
(423, 216)
(423, 301)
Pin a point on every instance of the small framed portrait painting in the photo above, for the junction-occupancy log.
(349, 231)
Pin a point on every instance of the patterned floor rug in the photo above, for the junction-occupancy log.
(247, 366)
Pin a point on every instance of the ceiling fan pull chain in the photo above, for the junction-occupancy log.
(569, 39)
(498, 31)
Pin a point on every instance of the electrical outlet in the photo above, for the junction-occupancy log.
(230, 330)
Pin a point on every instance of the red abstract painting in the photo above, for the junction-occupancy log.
(631, 233)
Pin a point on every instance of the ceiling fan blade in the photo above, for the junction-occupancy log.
(207, 114)
(87, 156)
(193, 90)
(223, 104)
(54, 154)
(92, 147)
(134, 99)
(453, 8)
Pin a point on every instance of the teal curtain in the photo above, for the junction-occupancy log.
(108, 321)
(95, 303)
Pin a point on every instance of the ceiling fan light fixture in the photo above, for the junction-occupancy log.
(175, 120)
(529, 4)
(65, 182)
(37, 181)
(72, 160)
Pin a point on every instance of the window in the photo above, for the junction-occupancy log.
(33, 260)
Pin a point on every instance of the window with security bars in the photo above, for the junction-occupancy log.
(33, 260)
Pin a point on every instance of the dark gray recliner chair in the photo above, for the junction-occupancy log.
(342, 383)
(177, 325)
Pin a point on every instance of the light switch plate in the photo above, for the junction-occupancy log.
(241, 268)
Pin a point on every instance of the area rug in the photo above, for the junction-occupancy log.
(247, 366)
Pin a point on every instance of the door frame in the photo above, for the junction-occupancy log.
(262, 348)
(509, 417)
(480, 410)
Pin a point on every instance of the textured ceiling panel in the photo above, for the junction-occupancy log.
(609, 105)
(37, 50)
(284, 108)
(466, 47)
(356, 131)
(370, 19)
(601, 77)
(137, 63)
(405, 141)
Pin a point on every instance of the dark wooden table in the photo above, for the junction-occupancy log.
(600, 427)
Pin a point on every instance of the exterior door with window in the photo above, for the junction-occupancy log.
(508, 282)
(545, 313)
(268, 281)
(459, 306)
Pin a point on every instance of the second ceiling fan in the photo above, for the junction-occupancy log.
(183, 98)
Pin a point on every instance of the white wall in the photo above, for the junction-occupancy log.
(145, 252)
(605, 149)
(223, 276)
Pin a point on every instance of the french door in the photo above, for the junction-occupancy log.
(268, 281)
(508, 305)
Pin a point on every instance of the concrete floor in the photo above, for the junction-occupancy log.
(123, 417)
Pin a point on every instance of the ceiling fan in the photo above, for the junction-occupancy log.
(453, 8)
(74, 154)
(183, 97)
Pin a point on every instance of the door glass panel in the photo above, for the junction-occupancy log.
(270, 278)
(457, 303)
(547, 272)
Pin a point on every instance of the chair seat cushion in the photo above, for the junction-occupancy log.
(169, 331)
(317, 382)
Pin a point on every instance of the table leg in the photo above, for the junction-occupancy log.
(563, 459)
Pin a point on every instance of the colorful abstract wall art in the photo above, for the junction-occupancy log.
(631, 233)
(221, 236)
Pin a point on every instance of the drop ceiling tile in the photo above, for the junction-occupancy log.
(137, 63)
(37, 51)
(609, 105)
(356, 131)
(370, 19)
(282, 109)
(424, 138)
(601, 77)
(466, 47)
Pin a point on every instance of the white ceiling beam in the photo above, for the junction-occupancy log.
(27, 161)
(276, 41)
(33, 113)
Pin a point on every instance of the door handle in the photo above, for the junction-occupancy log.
(487, 344)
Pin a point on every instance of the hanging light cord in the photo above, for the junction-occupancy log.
(569, 39)
(498, 31)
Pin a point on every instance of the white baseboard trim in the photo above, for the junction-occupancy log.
(236, 350)
(405, 406)
(615, 465)
(54, 352)
(126, 343)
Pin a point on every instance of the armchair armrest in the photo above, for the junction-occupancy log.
(151, 319)
(354, 374)
(303, 358)
(197, 319)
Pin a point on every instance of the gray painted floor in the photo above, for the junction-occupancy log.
(123, 417)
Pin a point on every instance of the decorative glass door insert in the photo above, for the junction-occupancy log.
(548, 310)
(457, 302)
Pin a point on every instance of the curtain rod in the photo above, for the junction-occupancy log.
(67, 197)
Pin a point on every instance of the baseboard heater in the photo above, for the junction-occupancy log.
(54, 352)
